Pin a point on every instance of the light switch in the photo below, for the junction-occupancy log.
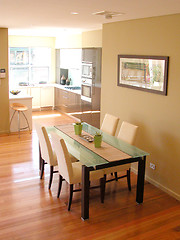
(2, 73)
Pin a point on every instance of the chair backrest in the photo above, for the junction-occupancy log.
(63, 158)
(45, 144)
(128, 132)
(109, 124)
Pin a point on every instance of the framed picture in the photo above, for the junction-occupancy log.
(146, 73)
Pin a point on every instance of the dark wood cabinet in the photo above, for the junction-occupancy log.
(88, 54)
(67, 101)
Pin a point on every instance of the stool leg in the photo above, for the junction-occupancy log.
(26, 120)
(12, 118)
(18, 124)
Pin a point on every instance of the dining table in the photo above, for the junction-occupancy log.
(113, 152)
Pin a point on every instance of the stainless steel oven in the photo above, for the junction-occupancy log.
(86, 89)
(87, 69)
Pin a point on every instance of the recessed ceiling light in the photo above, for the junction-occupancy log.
(74, 13)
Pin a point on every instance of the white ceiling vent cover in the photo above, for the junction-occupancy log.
(108, 14)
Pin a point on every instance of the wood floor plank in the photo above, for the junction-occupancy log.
(29, 211)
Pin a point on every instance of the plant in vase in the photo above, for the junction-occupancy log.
(78, 128)
(97, 140)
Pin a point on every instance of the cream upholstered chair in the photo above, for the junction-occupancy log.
(46, 153)
(72, 172)
(109, 124)
(126, 133)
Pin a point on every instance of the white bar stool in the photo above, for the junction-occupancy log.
(19, 108)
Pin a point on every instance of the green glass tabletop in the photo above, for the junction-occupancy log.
(125, 147)
(88, 157)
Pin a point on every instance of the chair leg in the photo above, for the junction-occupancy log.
(42, 168)
(60, 185)
(70, 197)
(102, 188)
(40, 158)
(116, 177)
(129, 179)
(51, 176)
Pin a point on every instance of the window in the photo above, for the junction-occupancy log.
(29, 65)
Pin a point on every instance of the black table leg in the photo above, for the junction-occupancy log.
(140, 180)
(85, 193)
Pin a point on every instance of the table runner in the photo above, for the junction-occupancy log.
(106, 151)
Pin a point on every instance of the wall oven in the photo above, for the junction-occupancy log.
(86, 89)
(87, 70)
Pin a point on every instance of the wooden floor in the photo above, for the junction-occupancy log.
(29, 211)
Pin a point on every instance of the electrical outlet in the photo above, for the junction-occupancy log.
(153, 166)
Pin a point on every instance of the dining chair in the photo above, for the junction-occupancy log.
(128, 134)
(72, 172)
(109, 124)
(47, 155)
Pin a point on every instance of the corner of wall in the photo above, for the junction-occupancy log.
(4, 86)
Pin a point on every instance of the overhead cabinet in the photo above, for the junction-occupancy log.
(90, 54)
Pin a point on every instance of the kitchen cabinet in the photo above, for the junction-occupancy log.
(47, 96)
(35, 92)
(74, 102)
(42, 96)
(67, 101)
(89, 54)
(25, 90)
(59, 99)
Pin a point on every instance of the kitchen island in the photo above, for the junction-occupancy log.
(23, 99)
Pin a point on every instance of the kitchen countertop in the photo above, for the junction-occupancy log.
(69, 90)
(19, 96)
(52, 85)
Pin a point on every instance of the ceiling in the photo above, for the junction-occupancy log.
(51, 17)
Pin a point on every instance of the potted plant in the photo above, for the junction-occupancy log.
(78, 128)
(97, 140)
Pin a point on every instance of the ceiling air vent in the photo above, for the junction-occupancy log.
(108, 14)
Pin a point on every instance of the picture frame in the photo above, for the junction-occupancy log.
(145, 73)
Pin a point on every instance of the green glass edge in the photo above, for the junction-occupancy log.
(89, 158)
(115, 142)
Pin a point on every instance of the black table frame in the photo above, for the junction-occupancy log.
(85, 182)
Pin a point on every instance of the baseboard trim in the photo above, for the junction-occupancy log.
(2, 133)
(158, 185)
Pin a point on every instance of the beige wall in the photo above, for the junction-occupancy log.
(158, 117)
(4, 85)
(84, 40)
(69, 41)
(25, 41)
(92, 39)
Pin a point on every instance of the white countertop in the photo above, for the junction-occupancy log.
(19, 96)
(52, 85)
